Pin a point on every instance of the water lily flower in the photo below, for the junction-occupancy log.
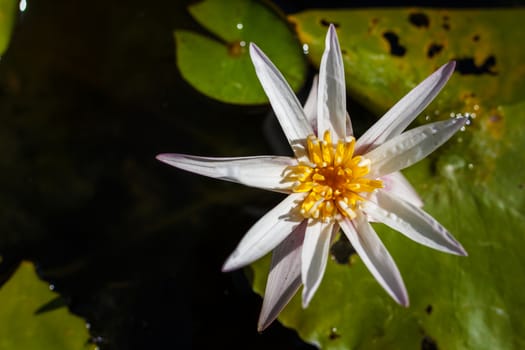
(333, 182)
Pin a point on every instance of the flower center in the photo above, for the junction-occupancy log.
(333, 178)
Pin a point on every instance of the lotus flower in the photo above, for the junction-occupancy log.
(333, 182)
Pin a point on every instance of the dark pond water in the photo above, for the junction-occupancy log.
(89, 94)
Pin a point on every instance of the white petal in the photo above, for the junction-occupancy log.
(349, 130)
(264, 172)
(267, 233)
(315, 256)
(397, 184)
(406, 110)
(285, 104)
(310, 106)
(412, 222)
(411, 146)
(375, 256)
(284, 278)
(331, 105)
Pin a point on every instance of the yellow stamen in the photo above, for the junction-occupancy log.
(333, 177)
(339, 153)
(327, 147)
(304, 187)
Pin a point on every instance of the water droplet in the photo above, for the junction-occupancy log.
(427, 117)
(97, 340)
(333, 333)
(452, 114)
(476, 107)
(470, 166)
(240, 26)
(51, 287)
(22, 5)
(242, 43)
(306, 49)
(436, 112)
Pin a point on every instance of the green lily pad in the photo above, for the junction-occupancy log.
(219, 66)
(381, 46)
(31, 316)
(473, 185)
(7, 19)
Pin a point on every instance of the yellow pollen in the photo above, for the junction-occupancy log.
(333, 178)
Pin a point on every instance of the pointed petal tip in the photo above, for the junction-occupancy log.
(332, 42)
(450, 65)
(401, 296)
(168, 158)
(332, 30)
(459, 122)
(460, 251)
(447, 70)
(454, 247)
(162, 157)
(264, 321)
(262, 325)
(306, 298)
(229, 265)
(405, 303)
(255, 52)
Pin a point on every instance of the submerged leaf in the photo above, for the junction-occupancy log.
(32, 317)
(219, 66)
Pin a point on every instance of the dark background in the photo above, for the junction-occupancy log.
(89, 94)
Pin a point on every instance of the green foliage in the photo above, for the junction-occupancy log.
(473, 185)
(387, 52)
(219, 66)
(7, 18)
(33, 317)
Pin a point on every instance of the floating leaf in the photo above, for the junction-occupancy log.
(32, 317)
(473, 185)
(7, 19)
(387, 52)
(220, 66)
